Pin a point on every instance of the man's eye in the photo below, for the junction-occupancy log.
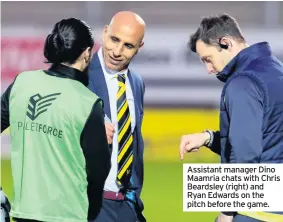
(114, 39)
(129, 46)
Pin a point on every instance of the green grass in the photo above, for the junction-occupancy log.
(162, 194)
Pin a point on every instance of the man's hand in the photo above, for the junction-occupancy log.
(192, 142)
(5, 207)
(110, 130)
(224, 218)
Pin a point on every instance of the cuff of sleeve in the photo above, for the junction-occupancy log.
(229, 213)
(211, 137)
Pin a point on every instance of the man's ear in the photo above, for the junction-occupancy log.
(225, 43)
(104, 33)
(140, 46)
(87, 54)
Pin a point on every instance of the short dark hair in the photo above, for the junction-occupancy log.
(213, 28)
(69, 38)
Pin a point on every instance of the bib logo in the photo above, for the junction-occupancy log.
(39, 104)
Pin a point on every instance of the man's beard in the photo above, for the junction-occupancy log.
(86, 75)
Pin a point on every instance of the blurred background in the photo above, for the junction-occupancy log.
(180, 96)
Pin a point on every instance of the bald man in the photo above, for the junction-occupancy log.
(122, 91)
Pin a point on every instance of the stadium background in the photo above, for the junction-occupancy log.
(180, 97)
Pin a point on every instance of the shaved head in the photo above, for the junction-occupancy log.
(122, 39)
(129, 20)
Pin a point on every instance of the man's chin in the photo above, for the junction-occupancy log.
(113, 67)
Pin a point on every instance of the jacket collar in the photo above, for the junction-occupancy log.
(243, 59)
(63, 71)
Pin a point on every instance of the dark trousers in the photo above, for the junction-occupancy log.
(241, 218)
(116, 211)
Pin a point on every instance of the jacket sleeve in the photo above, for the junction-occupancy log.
(244, 104)
(5, 122)
(98, 158)
(142, 100)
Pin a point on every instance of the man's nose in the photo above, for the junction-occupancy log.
(117, 51)
(210, 69)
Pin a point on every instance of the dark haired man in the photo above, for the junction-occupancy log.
(60, 157)
(251, 120)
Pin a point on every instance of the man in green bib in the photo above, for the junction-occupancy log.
(60, 156)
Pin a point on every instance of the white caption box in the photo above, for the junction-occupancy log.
(232, 187)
